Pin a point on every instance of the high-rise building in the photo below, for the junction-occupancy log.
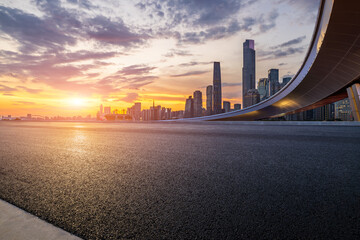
(263, 88)
(285, 81)
(273, 81)
(197, 104)
(209, 99)
(107, 110)
(101, 109)
(324, 113)
(237, 106)
(248, 71)
(189, 107)
(343, 110)
(217, 89)
(226, 106)
(252, 97)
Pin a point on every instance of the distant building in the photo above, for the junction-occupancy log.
(324, 113)
(248, 71)
(263, 88)
(237, 106)
(197, 104)
(343, 110)
(252, 97)
(189, 107)
(217, 89)
(226, 105)
(28, 116)
(273, 81)
(137, 111)
(209, 99)
(285, 81)
(107, 110)
(101, 109)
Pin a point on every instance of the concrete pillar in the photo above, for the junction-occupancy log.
(354, 98)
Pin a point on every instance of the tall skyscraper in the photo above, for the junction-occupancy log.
(101, 109)
(226, 105)
(209, 99)
(263, 88)
(273, 81)
(248, 71)
(252, 97)
(189, 107)
(217, 89)
(197, 104)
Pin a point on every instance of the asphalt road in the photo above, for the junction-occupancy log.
(185, 181)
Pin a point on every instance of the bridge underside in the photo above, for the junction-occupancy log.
(330, 67)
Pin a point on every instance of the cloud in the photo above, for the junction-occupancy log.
(130, 97)
(291, 42)
(32, 32)
(193, 63)
(279, 53)
(4, 88)
(30, 90)
(304, 5)
(117, 33)
(192, 73)
(268, 22)
(24, 103)
(136, 70)
(177, 52)
(195, 22)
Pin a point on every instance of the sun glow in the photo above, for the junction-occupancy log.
(76, 102)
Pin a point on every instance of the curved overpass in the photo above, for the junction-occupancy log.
(331, 65)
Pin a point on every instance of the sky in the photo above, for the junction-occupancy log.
(66, 57)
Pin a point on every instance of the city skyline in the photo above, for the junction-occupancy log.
(67, 73)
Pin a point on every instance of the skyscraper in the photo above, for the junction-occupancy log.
(285, 81)
(197, 104)
(101, 109)
(209, 97)
(252, 97)
(189, 107)
(217, 89)
(263, 88)
(248, 71)
(273, 81)
(226, 105)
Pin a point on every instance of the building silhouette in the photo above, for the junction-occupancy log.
(107, 110)
(263, 88)
(217, 89)
(209, 99)
(248, 71)
(343, 110)
(189, 107)
(237, 106)
(197, 104)
(252, 97)
(274, 85)
(285, 81)
(226, 105)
